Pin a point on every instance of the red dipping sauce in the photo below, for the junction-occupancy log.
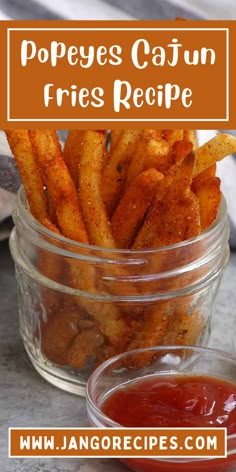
(176, 401)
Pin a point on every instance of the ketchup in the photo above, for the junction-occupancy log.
(176, 401)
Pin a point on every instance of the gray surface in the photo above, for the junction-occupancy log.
(28, 400)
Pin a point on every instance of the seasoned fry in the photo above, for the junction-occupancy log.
(51, 226)
(105, 352)
(59, 333)
(175, 214)
(185, 328)
(209, 195)
(98, 224)
(190, 135)
(213, 151)
(132, 207)
(171, 222)
(181, 149)
(21, 148)
(173, 135)
(109, 318)
(90, 173)
(151, 333)
(84, 347)
(204, 175)
(149, 146)
(72, 152)
(115, 171)
(59, 184)
(114, 138)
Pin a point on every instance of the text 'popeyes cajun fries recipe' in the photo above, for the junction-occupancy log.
(127, 192)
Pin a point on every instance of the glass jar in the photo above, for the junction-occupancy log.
(80, 304)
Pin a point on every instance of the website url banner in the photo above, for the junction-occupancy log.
(118, 442)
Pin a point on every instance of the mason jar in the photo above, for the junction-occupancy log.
(80, 305)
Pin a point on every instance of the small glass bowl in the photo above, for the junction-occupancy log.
(167, 360)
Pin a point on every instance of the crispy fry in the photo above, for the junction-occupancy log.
(114, 138)
(151, 333)
(106, 157)
(59, 184)
(172, 221)
(149, 146)
(173, 135)
(93, 208)
(115, 171)
(185, 328)
(181, 149)
(52, 266)
(132, 207)
(84, 347)
(213, 151)
(72, 152)
(51, 226)
(104, 352)
(109, 318)
(52, 211)
(209, 195)
(175, 214)
(59, 333)
(204, 175)
(21, 148)
(190, 135)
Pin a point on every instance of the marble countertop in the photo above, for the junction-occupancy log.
(28, 400)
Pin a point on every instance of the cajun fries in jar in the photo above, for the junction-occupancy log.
(120, 242)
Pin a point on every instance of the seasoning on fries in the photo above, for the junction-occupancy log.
(139, 189)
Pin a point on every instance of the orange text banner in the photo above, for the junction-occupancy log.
(118, 74)
(117, 442)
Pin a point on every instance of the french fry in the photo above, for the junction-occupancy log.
(174, 221)
(114, 138)
(181, 149)
(107, 316)
(150, 334)
(51, 226)
(90, 173)
(21, 148)
(209, 195)
(149, 146)
(84, 347)
(59, 333)
(52, 211)
(98, 224)
(213, 151)
(49, 265)
(131, 209)
(175, 213)
(185, 328)
(204, 175)
(114, 174)
(104, 352)
(72, 153)
(173, 135)
(190, 135)
(59, 184)
(174, 218)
